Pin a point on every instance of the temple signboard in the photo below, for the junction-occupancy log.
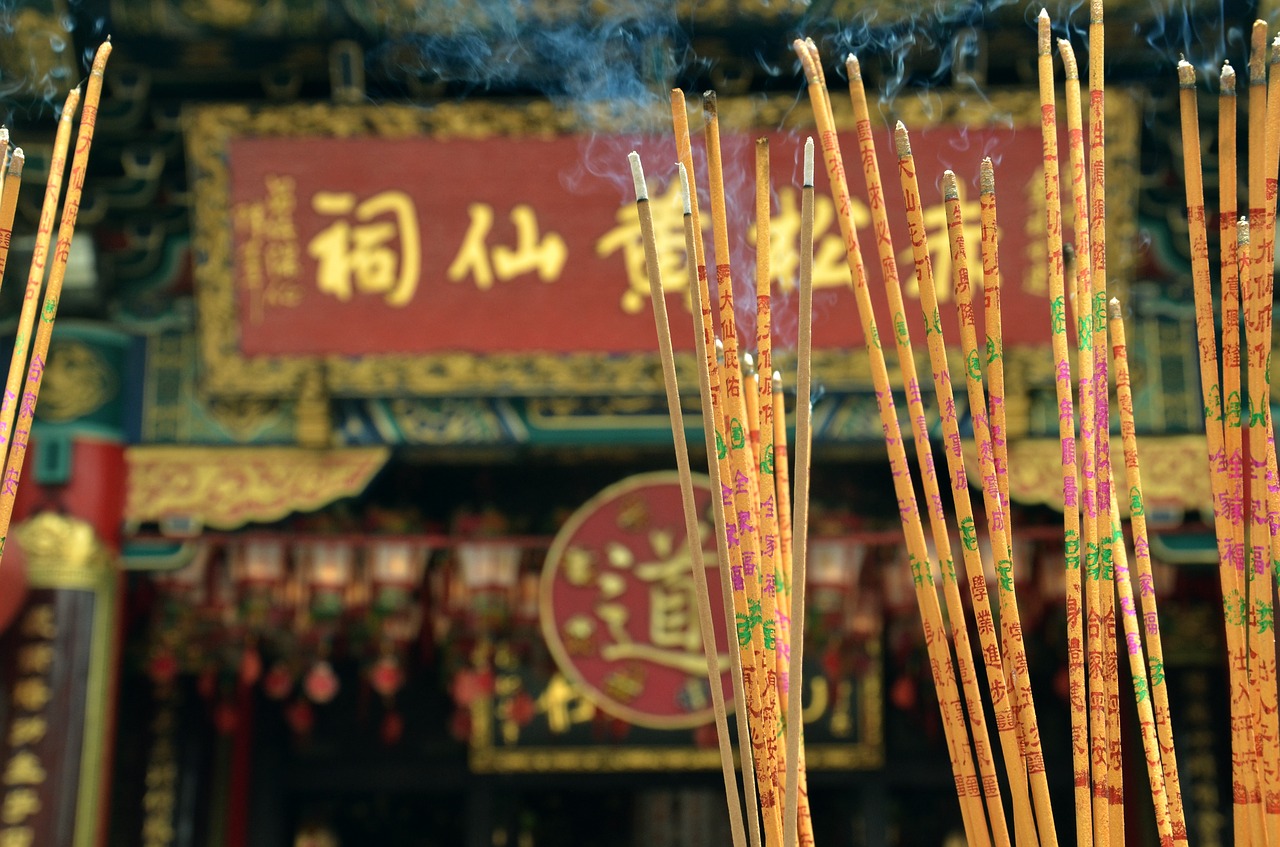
(620, 680)
(497, 248)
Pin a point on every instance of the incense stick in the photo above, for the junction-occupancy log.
(1062, 384)
(997, 519)
(804, 441)
(990, 786)
(961, 756)
(25, 337)
(718, 465)
(753, 608)
(9, 203)
(692, 532)
(1157, 736)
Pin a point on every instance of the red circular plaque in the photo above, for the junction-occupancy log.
(618, 603)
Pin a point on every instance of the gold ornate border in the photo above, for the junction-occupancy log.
(227, 487)
(864, 754)
(227, 371)
(64, 554)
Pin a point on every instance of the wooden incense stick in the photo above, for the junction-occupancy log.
(1150, 691)
(691, 522)
(1232, 559)
(958, 747)
(35, 278)
(997, 519)
(800, 540)
(753, 609)
(990, 786)
(1076, 639)
(718, 464)
(9, 204)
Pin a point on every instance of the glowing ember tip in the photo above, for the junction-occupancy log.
(1186, 74)
(1068, 59)
(684, 188)
(950, 189)
(903, 140)
(808, 162)
(987, 177)
(637, 176)
(1114, 309)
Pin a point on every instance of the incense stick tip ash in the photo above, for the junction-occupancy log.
(1258, 54)
(987, 176)
(1042, 25)
(637, 176)
(903, 140)
(684, 188)
(748, 364)
(1275, 50)
(1069, 66)
(1227, 79)
(950, 189)
(808, 162)
(1114, 308)
(1095, 12)
(777, 381)
(853, 67)
(100, 58)
(709, 106)
(15, 163)
(807, 64)
(1242, 230)
(1186, 74)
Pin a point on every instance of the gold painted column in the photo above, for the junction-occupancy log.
(57, 682)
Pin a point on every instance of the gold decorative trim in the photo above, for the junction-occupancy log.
(226, 488)
(1175, 471)
(209, 129)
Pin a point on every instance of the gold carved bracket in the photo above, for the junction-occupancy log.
(226, 488)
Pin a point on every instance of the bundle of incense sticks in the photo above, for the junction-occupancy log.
(760, 542)
(1239, 431)
(31, 344)
(1103, 609)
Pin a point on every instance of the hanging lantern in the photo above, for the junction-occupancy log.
(329, 567)
(832, 574)
(395, 570)
(257, 564)
(490, 571)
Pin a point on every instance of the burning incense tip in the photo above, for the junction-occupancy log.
(720, 350)
(777, 382)
(853, 67)
(4, 135)
(684, 188)
(1068, 59)
(950, 190)
(748, 364)
(987, 176)
(903, 140)
(709, 105)
(1242, 231)
(808, 162)
(1228, 80)
(806, 61)
(1275, 50)
(637, 176)
(1114, 308)
(1258, 54)
(1068, 256)
(1186, 74)
(15, 164)
(1042, 22)
(1095, 12)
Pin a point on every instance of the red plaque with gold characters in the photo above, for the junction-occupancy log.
(618, 605)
